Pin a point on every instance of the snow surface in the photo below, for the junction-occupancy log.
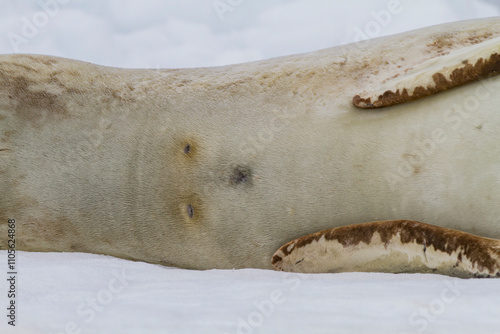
(85, 293)
(101, 294)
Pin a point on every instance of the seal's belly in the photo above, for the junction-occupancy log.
(217, 168)
(225, 190)
(435, 161)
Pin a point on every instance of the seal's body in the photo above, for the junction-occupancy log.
(218, 167)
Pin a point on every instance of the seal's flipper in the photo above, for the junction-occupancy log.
(435, 75)
(393, 247)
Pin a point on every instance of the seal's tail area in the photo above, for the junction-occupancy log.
(459, 67)
(397, 246)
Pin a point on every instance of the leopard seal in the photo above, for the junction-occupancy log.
(220, 167)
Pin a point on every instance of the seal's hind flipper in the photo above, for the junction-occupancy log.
(435, 75)
(393, 247)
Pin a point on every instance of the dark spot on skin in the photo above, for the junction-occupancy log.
(241, 175)
(190, 211)
(188, 148)
(186, 208)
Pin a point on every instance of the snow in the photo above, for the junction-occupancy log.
(86, 293)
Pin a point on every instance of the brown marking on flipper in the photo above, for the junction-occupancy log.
(436, 75)
(392, 246)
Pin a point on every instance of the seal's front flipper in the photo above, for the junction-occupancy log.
(399, 246)
(435, 75)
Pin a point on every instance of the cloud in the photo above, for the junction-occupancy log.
(189, 33)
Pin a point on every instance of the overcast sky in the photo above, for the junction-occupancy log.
(188, 33)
